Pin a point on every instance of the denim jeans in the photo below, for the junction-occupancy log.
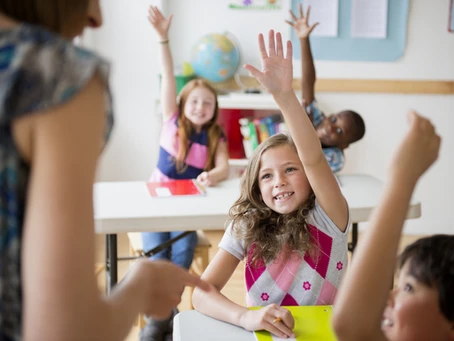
(180, 253)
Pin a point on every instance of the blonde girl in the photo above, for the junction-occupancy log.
(289, 224)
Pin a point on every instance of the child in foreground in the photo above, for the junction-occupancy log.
(289, 224)
(421, 307)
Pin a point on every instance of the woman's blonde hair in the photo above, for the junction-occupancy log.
(64, 17)
(258, 225)
(185, 127)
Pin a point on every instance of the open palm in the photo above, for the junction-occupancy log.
(277, 70)
(160, 23)
(301, 24)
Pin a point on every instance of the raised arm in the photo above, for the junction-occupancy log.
(364, 291)
(161, 25)
(303, 30)
(276, 76)
(61, 298)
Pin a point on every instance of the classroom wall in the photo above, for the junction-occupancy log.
(130, 43)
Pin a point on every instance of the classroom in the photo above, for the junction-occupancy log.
(399, 78)
(425, 67)
(130, 47)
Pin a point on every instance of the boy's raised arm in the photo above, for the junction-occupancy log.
(303, 30)
(363, 294)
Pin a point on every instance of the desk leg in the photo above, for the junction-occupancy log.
(111, 262)
(352, 245)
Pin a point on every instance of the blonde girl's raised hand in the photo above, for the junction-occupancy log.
(160, 23)
(277, 70)
(273, 318)
(301, 24)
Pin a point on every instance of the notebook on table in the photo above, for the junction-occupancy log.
(312, 323)
(175, 188)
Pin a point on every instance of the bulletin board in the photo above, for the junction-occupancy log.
(345, 48)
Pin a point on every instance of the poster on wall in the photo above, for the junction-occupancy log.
(373, 31)
(369, 19)
(326, 13)
(256, 4)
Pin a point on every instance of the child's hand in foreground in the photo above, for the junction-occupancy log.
(273, 318)
(418, 151)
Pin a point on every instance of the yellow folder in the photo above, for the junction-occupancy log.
(312, 323)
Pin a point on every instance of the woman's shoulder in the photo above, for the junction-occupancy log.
(39, 70)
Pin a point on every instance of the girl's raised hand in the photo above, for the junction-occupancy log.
(273, 318)
(301, 24)
(277, 70)
(160, 23)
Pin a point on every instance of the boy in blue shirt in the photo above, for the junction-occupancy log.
(336, 131)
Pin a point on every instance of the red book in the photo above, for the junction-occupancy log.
(175, 187)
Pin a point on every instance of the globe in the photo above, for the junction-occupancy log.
(215, 57)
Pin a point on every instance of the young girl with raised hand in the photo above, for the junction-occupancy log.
(421, 306)
(290, 222)
(192, 146)
(55, 116)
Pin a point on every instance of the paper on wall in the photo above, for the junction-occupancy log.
(369, 19)
(326, 13)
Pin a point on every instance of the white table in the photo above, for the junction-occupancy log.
(122, 207)
(193, 326)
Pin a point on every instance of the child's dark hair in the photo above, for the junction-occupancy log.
(359, 128)
(185, 127)
(431, 261)
(257, 224)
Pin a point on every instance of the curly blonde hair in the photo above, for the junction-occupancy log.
(256, 224)
(185, 127)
